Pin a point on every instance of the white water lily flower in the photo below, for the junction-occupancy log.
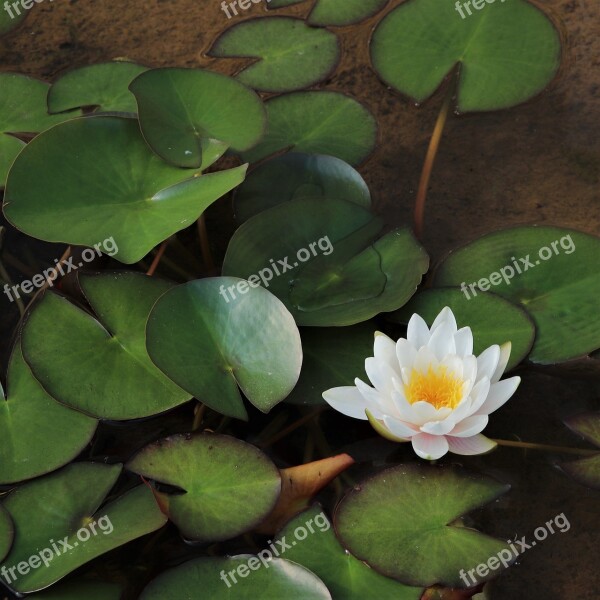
(430, 388)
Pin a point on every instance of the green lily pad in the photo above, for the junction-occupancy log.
(7, 533)
(11, 20)
(229, 486)
(64, 508)
(585, 470)
(210, 336)
(38, 434)
(103, 181)
(295, 175)
(346, 577)
(492, 319)
(559, 284)
(400, 523)
(189, 117)
(317, 123)
(506, 52)
(336, 12)
(289, 55)
(100, 365)
(271, 580)
(104, 86)
(332, 357)
(9, 150)
(331, 270)
(81, 588)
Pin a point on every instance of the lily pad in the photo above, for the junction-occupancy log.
(100, 365)
(505, 52)
(64, 508)
(332, 357)
(317, 123)
(228, 485)
(213, 335)
(289, 55)
(11, 20)
(96, 178)
(189, 117)
(9, 150)
(559, 283)
(585, 470)
(328, 269)
(295, 175)
(7, 533)
(346, 577)
(492, 319)
(336, 12)
(400, 523)
(104, 86)
(272, 580)
(38, 434)
(81, 588)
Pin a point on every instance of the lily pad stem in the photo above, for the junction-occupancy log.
(546, 447)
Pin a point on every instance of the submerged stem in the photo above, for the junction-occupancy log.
(157, 258)
(546, 447)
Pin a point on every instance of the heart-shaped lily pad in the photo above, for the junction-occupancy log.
(213, 335)
(60, 526)
(585, 470)
(289, 54)
(82, 588)
(228, 485)
(558, 283)
(97, 179)
(328, 268)
(100, 365)
(317, 123)
(7, 533)
(104, 86)
(346, 577)
(189, 117)
(492, 319)
(296, 175)
(507, 51)
(336, 12)
(399, 522)
(38, 434)
(242, 577)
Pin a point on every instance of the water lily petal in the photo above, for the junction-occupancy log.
(470, 369)
(347, 400)
(377, 403)
(399, 428)
(425, 412)
(441, 341)
(499, 393)
(446, 317)
(463, 339)
(380, 375)
(487, 362)
(470, 426)
(454, 365)
(403, 408)
(504, 356)
(479, 393)
(439, 427)
(417, 332)
(384, 350)
(429, 447)
(478, 444)
(425, 359)
(405, 353)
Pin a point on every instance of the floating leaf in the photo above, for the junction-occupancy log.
(492, 319)
(10, 19)
(317, 123)
(104, 86)
(100, 365)
(97, 179)
(6, 533)
(399, 522)
(190, 116)
(38, 434)
(294, 176)
(506, 52)
(327, 268)
(81, 588)
(585, 470)
(210, 342)
(344, 12)
(228, 485)
(559, 283)
(332, 357)
(9, 149)
(289, 55)
(346, 577)
(269, 580)
(66, 506)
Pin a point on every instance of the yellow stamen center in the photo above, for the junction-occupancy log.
(439, 387)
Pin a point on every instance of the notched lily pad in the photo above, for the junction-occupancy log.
(585, 470)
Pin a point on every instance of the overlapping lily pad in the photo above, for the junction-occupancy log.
(272, 580)
(96, 178)
(61, 506)
(492, 319)
(558, 286)
(99, 365)
(213, 335)
(189, 117)
(400, 523)
(585, 470)
(506, 52)
(289, 55)
(228, 486)
(296, 175)
(104, 86)
(38, 434)
(7, 532)
(331, 268)
(344, 12)
(317, 123)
